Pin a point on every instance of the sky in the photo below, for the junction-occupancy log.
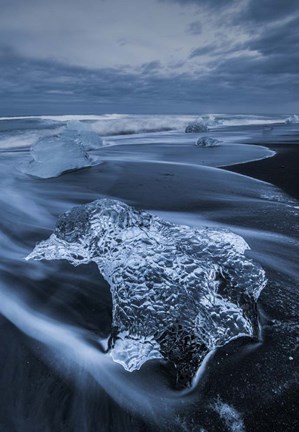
(149, 56)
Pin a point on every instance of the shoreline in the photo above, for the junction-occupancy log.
(281, 169)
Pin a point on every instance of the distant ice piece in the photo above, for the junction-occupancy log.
(292, 119)
(207, 142)
(178, 292)
(54, 155)
(202, 124)
(196, 127)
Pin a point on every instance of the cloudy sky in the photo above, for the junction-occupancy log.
(149, 56)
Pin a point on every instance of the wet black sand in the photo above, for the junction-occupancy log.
(281, 170)
(257, 380)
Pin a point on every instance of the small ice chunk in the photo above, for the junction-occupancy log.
(202, 124)
(196, 127)
(207, 142)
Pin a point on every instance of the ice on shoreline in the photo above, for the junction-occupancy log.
(196, 127)
(207, 142)
(177, 292)
(202, 124)
(56, 154)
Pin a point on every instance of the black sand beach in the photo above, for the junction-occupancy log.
(247, 384)
(281, 170)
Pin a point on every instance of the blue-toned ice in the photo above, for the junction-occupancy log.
(68, 150)
(206, 141)
(203, 124)
(178, 292)
(196, 127)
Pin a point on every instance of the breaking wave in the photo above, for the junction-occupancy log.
(293, 119)
(126, 124)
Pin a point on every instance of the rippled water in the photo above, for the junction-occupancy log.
(56, 319)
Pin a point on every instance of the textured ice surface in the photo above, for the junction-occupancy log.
(196, 127)
(53, 155)
(292, 119)
(178, 292)
(202, 124)
(207, 142)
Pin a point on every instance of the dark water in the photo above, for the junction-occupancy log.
(54, 373)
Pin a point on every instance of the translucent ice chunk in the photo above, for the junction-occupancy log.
(178, 292)
(196, 127)
(202, 124)
(207, 142)
(132, 352)
(51, 156)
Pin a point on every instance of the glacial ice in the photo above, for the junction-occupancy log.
(292, 119)
(53, 155)
(178, 292)
(207, 142)
(202, 124)
(196, 127)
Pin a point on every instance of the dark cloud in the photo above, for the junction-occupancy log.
(282, 38)
(277, 47)
(236, 85)
(253, 10)
(195, 28)
(269, 10)
(219, 50)
(151, 67)
(249, 63)
(211, 4)
(207, 49)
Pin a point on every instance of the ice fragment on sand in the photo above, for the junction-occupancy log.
(178, 292)
(207, 142)
(202, 124)
(51, 156)
(196, 127)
